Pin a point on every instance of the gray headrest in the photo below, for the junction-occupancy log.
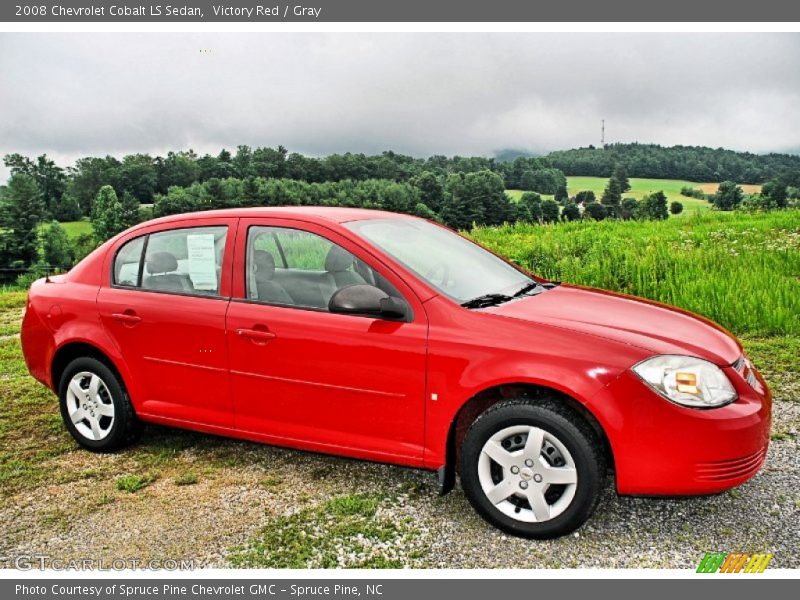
(338, 259)
(161, 262)
(264, 264)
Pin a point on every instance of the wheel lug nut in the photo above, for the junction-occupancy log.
(528, 462)
(523, 484)
(515, 469)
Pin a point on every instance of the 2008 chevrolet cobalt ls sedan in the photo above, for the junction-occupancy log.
(390, 338)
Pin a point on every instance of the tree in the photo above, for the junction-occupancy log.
(178, 168)
(430, 189)
(676, 207)
(66, 209)
(561, 194)
(585, 197)
(22, 211)
(571, 212)
(422, 210)
(532, 203)
(50, 178)
(653, 207)
(107, 217)
(477, 197)
(620, 175)
(612, 196)
(527, 180)
(87, 177)
(129, 213)
(550, 212)
(728, 196)
(56, 247)
(775, 190)
(595, 211)
(137, 175)
(628, 209)
(523, 214)
(83, 245)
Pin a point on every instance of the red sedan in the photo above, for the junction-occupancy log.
(389, 338)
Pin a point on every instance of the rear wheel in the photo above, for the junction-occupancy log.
(532, 469)
(95, 406)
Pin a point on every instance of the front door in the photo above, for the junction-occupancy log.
(165, 308)
(305, 377)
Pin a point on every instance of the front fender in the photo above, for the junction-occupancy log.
(470, 352)
(447, 395)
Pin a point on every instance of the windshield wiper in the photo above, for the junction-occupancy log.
(486, 300)
(526, 288)
(530, 287)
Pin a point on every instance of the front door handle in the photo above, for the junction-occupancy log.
(257, 336)
(128, 317)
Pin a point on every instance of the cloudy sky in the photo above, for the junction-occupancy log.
(73, 95)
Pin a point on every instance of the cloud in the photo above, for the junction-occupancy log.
(73, 95)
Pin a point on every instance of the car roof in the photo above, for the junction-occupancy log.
(335, 214)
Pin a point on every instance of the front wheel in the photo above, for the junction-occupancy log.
(532, 469)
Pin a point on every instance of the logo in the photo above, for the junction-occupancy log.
(734, 562)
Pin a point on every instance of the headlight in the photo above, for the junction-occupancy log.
(687, 380)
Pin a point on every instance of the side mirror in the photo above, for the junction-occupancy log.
(367, 300)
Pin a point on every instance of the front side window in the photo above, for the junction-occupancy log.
(453, 265)
(184, 261)
(298, 268)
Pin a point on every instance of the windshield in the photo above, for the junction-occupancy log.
(451, 264)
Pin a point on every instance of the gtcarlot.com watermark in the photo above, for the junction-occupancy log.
(42, 562)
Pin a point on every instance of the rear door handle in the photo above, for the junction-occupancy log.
(128, 317)
(257, 336)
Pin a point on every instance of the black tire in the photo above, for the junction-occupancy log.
(125, 427)
(570, 429)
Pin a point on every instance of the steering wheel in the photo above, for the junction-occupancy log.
(439, 275)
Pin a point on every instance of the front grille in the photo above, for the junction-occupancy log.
(731, 469)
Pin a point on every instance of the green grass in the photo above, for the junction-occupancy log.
(134, 483)
(342, 532)
(740, 270)
(76, 228)
(641, 187)
(187, 478)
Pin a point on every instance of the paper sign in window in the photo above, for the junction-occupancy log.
(202, 261)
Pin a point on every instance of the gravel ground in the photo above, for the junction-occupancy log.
(242, 488)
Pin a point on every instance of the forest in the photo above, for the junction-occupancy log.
(692, 163)
(461, 192)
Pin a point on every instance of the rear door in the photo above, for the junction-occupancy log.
(303, 376)
(164, 304)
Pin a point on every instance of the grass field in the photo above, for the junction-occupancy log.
(741, 270)
(641, 187)
(76, 228)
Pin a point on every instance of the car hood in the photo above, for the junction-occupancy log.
(649, 325)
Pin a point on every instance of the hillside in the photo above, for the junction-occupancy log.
(692, 163)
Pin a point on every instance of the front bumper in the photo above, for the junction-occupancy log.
(663, 449)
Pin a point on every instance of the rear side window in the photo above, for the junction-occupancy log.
(184, 261)
(126, 264)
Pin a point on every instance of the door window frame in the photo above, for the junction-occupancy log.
(224, 288)
(240, 266)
